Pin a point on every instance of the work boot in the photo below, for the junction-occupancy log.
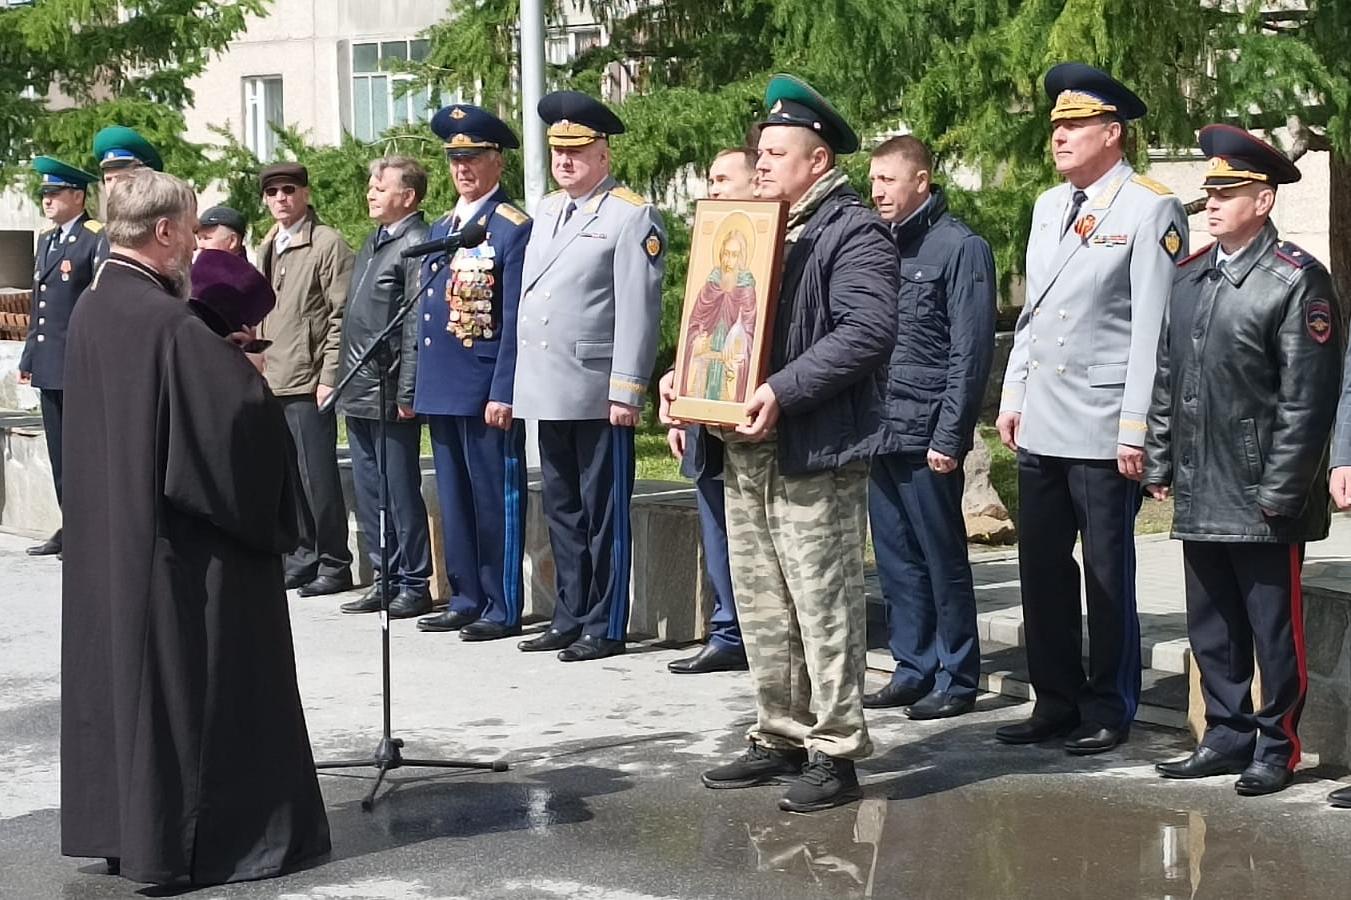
(826, 781)
(758, 765)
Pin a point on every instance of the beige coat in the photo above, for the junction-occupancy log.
(311, 279)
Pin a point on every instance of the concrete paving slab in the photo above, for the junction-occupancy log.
(603, 802)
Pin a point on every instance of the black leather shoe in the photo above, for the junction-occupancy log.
(410, 602)
(369, 602)
(758, 765)
(1034, 730)
(487, 630)
(49, 547)
(327, 584)
(297, 581)
(940, 706)
(710, 658)
(587, 648)
(1202, 763)
(826, 781)
(1089, 738)
(446, 620)
(553, 639)
(1341, 798)
(1263, 778)
(114, 864)
(894, 695)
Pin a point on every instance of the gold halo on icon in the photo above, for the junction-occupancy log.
(735, 223)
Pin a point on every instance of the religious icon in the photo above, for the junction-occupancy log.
(736, 256)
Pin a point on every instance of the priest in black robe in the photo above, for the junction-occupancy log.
(184, 754)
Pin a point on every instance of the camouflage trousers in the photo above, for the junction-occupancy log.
(796, 550)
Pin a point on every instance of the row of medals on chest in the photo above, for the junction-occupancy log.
(470, 294)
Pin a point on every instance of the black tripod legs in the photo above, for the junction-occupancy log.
(389, 756)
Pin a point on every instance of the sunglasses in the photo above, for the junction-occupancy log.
(287, 189)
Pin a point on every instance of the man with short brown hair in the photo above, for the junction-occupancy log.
(310, 267)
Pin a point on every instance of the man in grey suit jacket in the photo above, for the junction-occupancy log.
(1100, 263)
(587, 328)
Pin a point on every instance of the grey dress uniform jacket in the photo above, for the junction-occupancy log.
(1245, 396)
(590, 309)
(1082, 364)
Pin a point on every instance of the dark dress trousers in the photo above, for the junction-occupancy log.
(381, 281)
(65, 265)
(480, 470)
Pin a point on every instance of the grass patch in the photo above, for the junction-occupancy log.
(1154, 517)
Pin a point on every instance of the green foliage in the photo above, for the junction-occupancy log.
(70, 67)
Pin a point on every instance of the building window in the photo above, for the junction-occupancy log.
(563, 47)
(378, 98)
(262, 112)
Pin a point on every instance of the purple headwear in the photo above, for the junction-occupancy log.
(232, 288)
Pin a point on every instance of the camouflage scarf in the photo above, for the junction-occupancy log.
(806, 206)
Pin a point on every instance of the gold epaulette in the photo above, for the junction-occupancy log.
(628, 196)
(93, 225)
(512, 214)
(1161, 189)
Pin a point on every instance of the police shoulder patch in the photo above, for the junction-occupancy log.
(628, 196)
(1171, 241)
(1294, 255)
(653, 244)
(1318, 320)
(512, 214)
(93, 225)
(1161, 189)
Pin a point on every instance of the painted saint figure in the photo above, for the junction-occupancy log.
(722, 323)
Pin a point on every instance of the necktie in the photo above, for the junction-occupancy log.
(54, 243)
(454, 223)
(1079, 198)
(382, 235)
(567, 213)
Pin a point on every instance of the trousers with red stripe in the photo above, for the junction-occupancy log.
(1244, 600)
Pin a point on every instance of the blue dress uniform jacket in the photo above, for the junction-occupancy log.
(590, 313)
(1082, 364)
(480, 470)
(452, 379)
(60, 275)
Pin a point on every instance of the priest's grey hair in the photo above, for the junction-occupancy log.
(139, 200)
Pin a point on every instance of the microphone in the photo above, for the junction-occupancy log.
(470, 235)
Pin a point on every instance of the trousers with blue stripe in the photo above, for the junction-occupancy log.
(1060, 500)
(481, 484)
(587, 470)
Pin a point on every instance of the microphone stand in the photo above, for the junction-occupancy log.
(388, 754)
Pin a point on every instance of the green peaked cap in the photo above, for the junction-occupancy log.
(792, 101)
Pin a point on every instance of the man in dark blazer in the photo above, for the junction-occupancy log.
(62, 269)
(466, 367)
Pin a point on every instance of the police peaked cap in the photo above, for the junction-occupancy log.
(1237, 157)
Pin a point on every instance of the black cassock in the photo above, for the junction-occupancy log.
(183, 745)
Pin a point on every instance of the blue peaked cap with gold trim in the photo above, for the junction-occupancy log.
(59, 176)
(1080, 91)
(468, 129)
